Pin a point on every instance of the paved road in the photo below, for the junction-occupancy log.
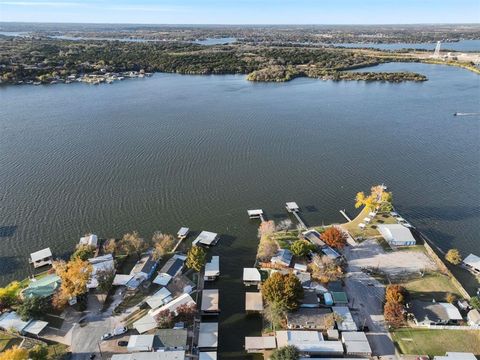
(86, 339)
(366, 295)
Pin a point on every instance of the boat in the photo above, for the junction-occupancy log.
(465, 114)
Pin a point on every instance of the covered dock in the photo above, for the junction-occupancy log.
(206, 238)
(257, 344)
(253, 302)
(208, 335)
(212, 269)
(210, 301)
(41, 258)
(256, 214)
(251, 276)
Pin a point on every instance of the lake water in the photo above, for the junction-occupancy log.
(462, 45)
(171, 150)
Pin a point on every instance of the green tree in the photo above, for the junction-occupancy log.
(301, 247)
(196, 258)
(105, 280)
(83, 252)
(284, 290)
(8, 294)
(475, 302)
(33, 307)
(274, 313)
(38, 352)
(288, 352)
(453, 256)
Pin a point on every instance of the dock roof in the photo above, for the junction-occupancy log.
(212, 268)
(91, 240)
(210, 300)
(251, 274)
(253, 301)
(292, 206)
(473, 261)
(208, 335)
(41, 254)
(183, 231)
(206, 238)
(260, 343)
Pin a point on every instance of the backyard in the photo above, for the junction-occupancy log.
(433, 285)
(436, 342)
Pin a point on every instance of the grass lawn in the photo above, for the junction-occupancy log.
(7, 341)
(58, 351)
(431, 286)
(371, 229)
(436, 342)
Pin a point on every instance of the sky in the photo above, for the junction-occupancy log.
(242, 11)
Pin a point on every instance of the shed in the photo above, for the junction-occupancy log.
(472, 262)
(140, 343)
(161, 297)
(208, 335)
(309, 342)
(183, 232)
(257, 344)
(253, 302)
(210, 301)
(41, 258)
(345, 321)
(206, 238)
(396, 234)
(251, 276)
(212, 269)
(35, 327)
(90, 240)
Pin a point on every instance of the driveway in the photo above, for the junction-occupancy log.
(86, 339)
(366, 295)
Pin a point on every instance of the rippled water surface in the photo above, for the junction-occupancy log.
(171, 150)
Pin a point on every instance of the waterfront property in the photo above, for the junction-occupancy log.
(183, 233)
(256, 214)
(89, 240)
(283, 258)
(172, 306)
(160, 298)
(100, 264)
(42, 287)
(41, 258)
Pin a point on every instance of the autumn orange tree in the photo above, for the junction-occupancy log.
(74, 276)
(394, 314)
(334, 237)
(395, 293)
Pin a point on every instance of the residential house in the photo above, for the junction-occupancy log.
(309, 342)
(100, 264)
(283, 257)
(434, 313)
(356, 343)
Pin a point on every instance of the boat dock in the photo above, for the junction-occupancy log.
(256, 214)
(345, 215)
(293, 208)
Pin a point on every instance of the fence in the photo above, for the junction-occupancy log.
(451, 327)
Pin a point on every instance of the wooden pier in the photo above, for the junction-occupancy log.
(293, 208)
(345, 215)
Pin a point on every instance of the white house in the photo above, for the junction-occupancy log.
(99, 265)
(184, 299)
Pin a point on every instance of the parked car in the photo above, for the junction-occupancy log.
(119, 330)
(106, 336)
(122, 343)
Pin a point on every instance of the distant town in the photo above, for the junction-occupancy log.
(372, 287)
